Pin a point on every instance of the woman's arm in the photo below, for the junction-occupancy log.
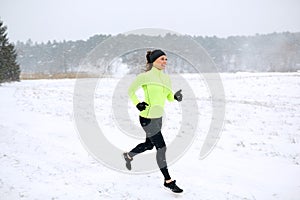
(170, 95)
(138, 82)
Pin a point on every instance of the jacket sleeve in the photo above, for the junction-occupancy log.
(170, 95)
(138, 82)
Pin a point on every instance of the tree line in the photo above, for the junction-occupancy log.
(275, 52)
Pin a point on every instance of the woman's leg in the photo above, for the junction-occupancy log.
(147, 145)
(161, 148)
(152, 128)
(140, 148)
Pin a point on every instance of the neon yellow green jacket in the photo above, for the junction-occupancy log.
(157, 88)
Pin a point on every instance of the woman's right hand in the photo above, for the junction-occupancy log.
(141, 106)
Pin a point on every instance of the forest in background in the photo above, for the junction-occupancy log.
(275, 52)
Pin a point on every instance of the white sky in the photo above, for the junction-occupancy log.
(43, 20)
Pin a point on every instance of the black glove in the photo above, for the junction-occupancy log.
(141, 106)
(178, 95)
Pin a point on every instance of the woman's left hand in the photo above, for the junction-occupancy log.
(178, 96)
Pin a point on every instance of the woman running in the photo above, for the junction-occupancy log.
(157, 88)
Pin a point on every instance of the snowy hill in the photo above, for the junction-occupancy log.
(257, 157)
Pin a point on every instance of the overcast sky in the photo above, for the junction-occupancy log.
(43, 20)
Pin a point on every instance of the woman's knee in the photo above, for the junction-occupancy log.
(149, 146)
(161, 149)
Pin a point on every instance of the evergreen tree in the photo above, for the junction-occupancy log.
(9, 69)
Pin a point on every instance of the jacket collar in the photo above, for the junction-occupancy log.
(156, 71)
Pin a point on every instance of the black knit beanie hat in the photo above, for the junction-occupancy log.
(153, 55)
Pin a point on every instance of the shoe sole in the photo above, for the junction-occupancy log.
(169, 190)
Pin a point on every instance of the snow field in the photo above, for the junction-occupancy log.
(257, 156)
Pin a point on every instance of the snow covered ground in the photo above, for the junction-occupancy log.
(257, 157)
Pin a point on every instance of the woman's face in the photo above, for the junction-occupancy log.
(161, 62)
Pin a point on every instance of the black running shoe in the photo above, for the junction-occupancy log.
(173, 187)
(128, 161)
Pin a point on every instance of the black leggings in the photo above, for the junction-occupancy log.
(152, 127)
